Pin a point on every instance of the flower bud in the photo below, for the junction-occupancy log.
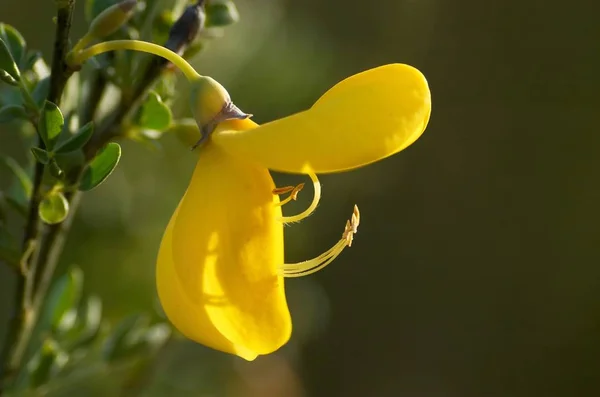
(211, 105)
(111, 19)
(186, 28)
(208, 99)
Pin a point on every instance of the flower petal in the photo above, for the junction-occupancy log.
(190, 318)
(362, 119)
(217, 268)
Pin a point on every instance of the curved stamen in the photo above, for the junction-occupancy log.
(292, 190)
(314, 265)
(311, 207)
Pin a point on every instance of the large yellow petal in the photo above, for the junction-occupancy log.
(217, 267)
(362, 119)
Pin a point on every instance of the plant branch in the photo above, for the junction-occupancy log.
(24, 314)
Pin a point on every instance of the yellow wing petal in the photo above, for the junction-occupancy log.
(362, 119)
(217, 267)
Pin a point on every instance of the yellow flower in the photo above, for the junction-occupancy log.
(220, 269)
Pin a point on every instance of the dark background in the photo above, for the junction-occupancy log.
(476, 270)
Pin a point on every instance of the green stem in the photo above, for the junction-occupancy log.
(136, 45)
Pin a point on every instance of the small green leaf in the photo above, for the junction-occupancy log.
(12, 113)
(7, 63)
(112, 19)
(156, 335)
(221, 13)
(93, 8)
(14, 41)
(40, 155)
(51, 124)
(194, 49)
(64, 296)
(70, 163)
(7, 78)
(77, 140)
(55, 169)
(126, 335)
(22, 177)
(88, 324)
(54, 208)
(31, 59)
(46, 363)
(40, 92)
(154, 113)
(101, 167)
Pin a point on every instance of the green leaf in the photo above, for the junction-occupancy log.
(64, 296)
(194, 49)
(55, 169)
(88, 324)
(22, 177)
(41, 155)
(31, 58)
(93, 8)
(154, 114)
(12, 113)
(156, 335)
(112, 19)
(101, 167)
(70, 163)
(77, 140)
(7, 78)
(126, 335)
(40, 92)
(221, 13)
(7, 63)
(14, 41)
(51, 124)
(54, 208)
(46, 363)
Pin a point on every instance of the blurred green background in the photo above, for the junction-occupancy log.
(476, 270)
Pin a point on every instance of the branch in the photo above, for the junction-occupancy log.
(24, 314)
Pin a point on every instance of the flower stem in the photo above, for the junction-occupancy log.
(136, 45)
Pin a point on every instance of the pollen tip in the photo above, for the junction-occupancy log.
(356, 218)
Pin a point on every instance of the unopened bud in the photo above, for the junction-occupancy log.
(111, 19)
(186, 28)
(211, 105)
(208, 99)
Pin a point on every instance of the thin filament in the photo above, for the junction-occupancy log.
(311, 207)
(137, 45)
(302, 273)
(311, 266)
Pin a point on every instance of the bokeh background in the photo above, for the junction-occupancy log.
(476, 270)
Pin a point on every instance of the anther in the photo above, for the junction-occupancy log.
(311, 207)
(293, 190)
